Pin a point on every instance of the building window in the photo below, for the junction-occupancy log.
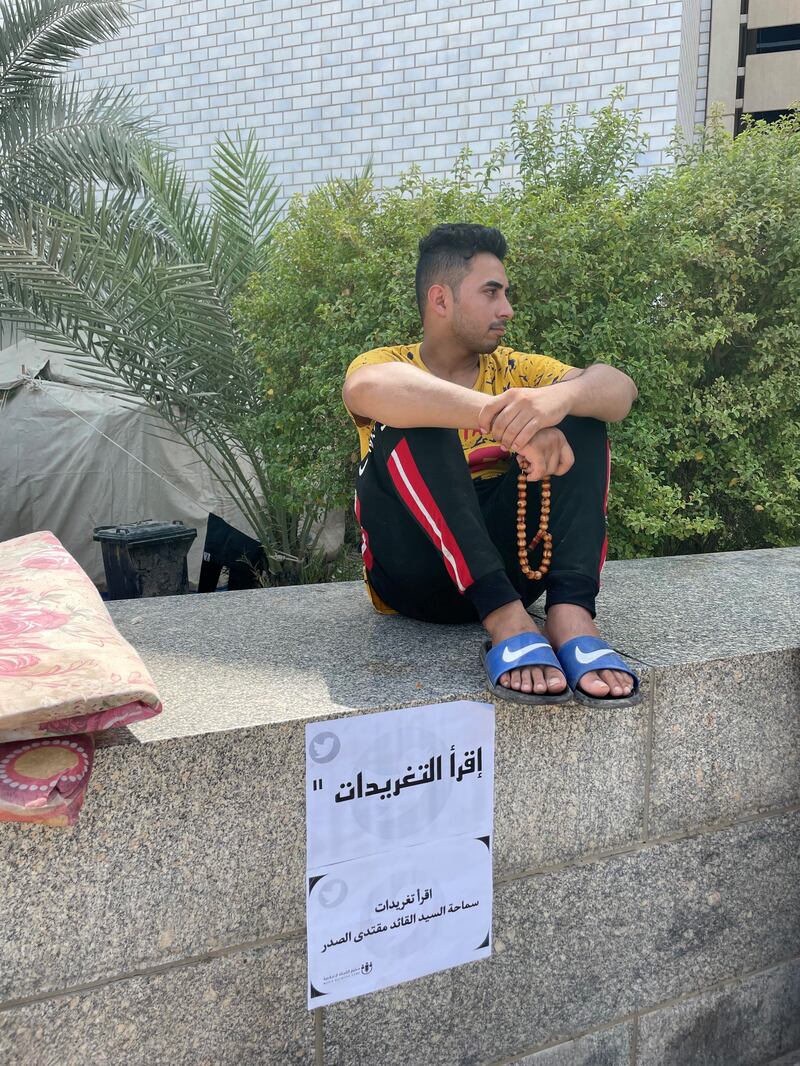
(767, 116)
(774, 39)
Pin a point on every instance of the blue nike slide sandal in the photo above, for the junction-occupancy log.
(582, 655)
(525, 649)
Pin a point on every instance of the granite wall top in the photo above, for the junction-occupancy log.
(233, 660)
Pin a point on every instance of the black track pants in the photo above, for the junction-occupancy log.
(441, 547)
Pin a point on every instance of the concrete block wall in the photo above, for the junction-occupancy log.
(647, 859)
(328, 85)
(702, 64)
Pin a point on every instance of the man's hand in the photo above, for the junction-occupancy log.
(516, 416)
(547, 453)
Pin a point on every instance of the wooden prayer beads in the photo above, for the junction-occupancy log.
(542, 533)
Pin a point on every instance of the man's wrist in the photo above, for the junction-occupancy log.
(568, 392)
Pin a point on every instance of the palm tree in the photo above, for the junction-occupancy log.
(53, 138)
(116, 262)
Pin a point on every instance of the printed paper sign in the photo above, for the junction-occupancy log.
(399, 856)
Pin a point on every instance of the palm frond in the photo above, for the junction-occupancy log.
(102, 291)
(54, 137)
(104, 284)
(40, 38)
(343, 192)
(243, 196)
(171, 209)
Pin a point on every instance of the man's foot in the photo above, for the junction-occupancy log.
(566, 621)
(509, 621)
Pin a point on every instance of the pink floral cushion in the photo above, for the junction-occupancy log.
(44, 781)
(64, 667)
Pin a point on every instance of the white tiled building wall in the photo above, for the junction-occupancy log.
(329, 84)
(703, 53)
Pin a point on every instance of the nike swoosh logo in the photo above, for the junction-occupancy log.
(512, 656)
(590, 656)
(362, 466)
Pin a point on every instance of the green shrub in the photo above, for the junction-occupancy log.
(686, 279)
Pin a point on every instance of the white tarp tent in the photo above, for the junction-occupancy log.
(74, 455)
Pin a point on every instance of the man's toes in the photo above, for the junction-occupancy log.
(533, 679)
(625, 682)
(556, 682)
(594, 685)
(618, 682)
(537, 677)
(523, 680)
(610, 678)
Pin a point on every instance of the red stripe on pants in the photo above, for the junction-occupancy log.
(604, 550)
(366, 554)
(415, 494)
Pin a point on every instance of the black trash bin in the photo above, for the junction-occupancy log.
(145, 558)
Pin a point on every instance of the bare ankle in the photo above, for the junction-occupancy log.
(572, 611)
(507, 619)
(567, 620)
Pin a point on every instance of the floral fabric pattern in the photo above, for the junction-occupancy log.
(64, 667)
(44, 781)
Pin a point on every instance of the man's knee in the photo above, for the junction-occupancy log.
(428, 438)
(588, 431)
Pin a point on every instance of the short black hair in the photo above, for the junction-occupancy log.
(445, 253)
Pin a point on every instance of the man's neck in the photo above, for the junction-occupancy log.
(450, 360)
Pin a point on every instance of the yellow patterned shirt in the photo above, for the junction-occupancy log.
(499, 371)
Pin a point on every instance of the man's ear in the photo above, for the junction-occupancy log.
(440, 298)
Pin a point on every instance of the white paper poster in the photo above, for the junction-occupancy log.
(399, 846)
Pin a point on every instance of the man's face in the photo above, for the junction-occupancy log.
(481, 308)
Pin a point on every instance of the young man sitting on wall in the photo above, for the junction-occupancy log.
(441, 425)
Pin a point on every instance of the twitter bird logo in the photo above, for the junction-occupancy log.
(324, 747)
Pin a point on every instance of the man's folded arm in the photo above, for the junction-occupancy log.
(600, 391)
(406, 397)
